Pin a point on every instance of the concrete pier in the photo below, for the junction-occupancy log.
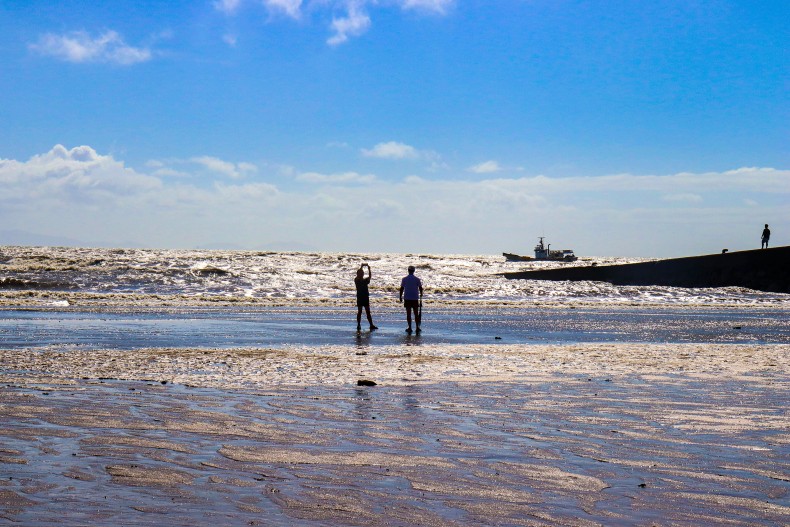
(760, 269)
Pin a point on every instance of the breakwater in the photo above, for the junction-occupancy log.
(760, 269)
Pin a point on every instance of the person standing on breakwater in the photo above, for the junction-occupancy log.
(766, 237)
(363, 296)
(411, 296)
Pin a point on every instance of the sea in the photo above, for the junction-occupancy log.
(180, 298)
(328, 277)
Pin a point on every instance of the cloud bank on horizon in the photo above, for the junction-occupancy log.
(172, 204)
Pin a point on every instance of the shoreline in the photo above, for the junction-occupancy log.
(53, 299)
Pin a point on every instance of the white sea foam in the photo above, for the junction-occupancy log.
(299, 275)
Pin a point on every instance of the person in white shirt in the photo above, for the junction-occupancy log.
(411, 295)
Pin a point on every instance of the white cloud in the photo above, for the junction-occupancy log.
(345, 177)
(161, 170)
(80, 47)
(487, 167)
(356, 18)
(246, 168)
(226, 168)
(78, 171)
(383, 209)
(685, 198)
(227, 6)
(438, 6)
(355, 23)
(289, 7)
(244, 193)
(170, 173)
(392, 150)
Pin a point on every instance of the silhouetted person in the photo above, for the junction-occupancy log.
(766, 237)
(411, 294)
(363, 296)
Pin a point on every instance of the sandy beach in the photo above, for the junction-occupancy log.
(573, 434)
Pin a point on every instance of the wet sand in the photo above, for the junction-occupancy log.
(125, 327)
(452, 434)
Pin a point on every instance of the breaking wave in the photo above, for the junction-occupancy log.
(256, 275)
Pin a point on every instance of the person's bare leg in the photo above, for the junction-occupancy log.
(370, 319)
(408, 318)
(359, 317)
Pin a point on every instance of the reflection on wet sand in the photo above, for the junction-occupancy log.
(569, 435)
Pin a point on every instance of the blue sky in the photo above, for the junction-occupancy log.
(614, 128)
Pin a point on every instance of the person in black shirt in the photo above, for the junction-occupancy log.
(363, 296)
(766, 237)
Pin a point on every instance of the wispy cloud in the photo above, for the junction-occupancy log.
(226, 168)
(345, 177)
(384, 209)
(291, 8)
(227, 6)
(684, 198)
(437, 6)
(355, 23)
(80, 47)
(346, 18)
(392, 150)
(487, 167)
(397, 151)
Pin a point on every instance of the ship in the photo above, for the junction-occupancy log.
(543, 252)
